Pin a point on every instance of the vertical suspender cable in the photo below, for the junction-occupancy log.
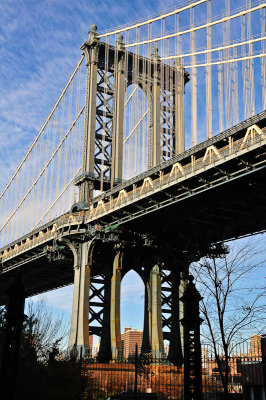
(263, 60)
(208, 76)
(107, 80)
(244, 65)
(125, 113)
(251, 63)
(163, 113)
(193, 81)
(227, 68)
(220, 94)
(235, 89)
(171, 101)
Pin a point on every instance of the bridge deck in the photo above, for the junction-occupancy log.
(212, 192)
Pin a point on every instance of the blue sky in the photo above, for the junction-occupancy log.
(39, 46)
(132, 301)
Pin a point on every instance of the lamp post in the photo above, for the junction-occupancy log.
(192, 348)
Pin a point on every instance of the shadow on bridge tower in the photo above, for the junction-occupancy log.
(99, 267)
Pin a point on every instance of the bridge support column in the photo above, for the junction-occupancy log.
(116, 343)
(156, 313)
(79, 331)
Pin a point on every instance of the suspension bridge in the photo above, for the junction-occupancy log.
(153, 155)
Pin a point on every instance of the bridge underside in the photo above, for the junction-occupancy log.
(40, 274)
(230, 210)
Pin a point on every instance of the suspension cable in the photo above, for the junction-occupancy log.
(196, 28)
(149, 21)
(43, 127)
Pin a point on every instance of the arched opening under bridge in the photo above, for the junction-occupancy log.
(132, 312)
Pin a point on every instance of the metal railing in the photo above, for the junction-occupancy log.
(246, 370)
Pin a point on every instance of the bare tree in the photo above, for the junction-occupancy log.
(44, 329)
(233, 290)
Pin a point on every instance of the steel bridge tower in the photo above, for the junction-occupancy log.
(98, 269)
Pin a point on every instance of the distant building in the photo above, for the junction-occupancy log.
(166, 350)
(255, 346)
(233, 364)
(96, 349)
(131, 337)
(205, 357)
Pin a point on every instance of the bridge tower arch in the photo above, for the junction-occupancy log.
(110, 70)
(124, 261)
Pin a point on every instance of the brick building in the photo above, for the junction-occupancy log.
(91, 344)
(131, 337)
(255, 346)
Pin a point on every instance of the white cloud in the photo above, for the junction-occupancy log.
(132, 288)
(58, 298)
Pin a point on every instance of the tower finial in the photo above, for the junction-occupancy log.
(93, 28)
(93, 34)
